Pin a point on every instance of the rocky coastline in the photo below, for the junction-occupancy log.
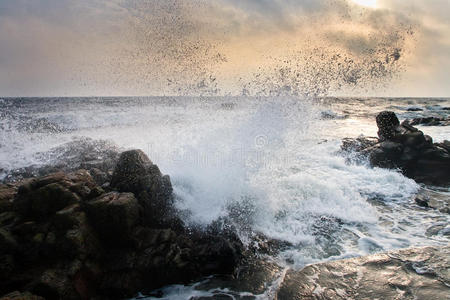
(403, 147)
(103, 225)
(417, 273)
(63, 236)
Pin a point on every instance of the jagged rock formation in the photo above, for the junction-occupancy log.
(404, 147)
(429, 121)
(62, 236)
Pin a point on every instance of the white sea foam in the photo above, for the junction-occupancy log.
(272, 162)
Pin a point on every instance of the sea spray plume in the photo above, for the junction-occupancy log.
(319, 71)
(195, 47)
(171, 43)
(180, 47)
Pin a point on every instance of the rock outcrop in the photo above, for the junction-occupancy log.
(135, 173)
(420, 273)
(62, 236)
(404, 147)
(429, 121)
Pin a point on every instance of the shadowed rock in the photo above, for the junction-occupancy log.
(404, 147)
(136, 173)
(21, 296)
(387, 121)
(113, 216)
(64, 237)
(430, 121)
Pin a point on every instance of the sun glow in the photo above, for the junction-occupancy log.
(368, 3)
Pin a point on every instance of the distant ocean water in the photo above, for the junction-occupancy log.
(271, 164)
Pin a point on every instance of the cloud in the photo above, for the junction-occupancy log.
(85, 47)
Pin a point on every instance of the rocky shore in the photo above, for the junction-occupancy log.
(403, 147)
(418, 273)
(100, 224)
(63, 236)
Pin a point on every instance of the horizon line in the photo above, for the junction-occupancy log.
(220, 96)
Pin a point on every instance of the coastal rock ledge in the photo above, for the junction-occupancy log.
(417, 273)
(62, 236)
(403, 147)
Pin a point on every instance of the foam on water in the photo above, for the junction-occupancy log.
(270, 164)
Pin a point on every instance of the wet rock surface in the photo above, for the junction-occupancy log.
(433, 199)
(62, 236)
(418, 273)
(404, 147)
(429, 121)
(21, 296)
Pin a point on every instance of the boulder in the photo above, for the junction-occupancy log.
(113, 216)
(8, 243)
(63, 237)
(7, 193)
(8, 218)
(41, 197)
(404, 147)
(218, 254)
(387, 121)
(54, 284)
(430, 121)
(21, 296)
(7, 266)
(136, 173)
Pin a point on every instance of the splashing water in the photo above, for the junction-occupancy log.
(270, 164)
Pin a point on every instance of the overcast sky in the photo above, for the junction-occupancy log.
(166, 47)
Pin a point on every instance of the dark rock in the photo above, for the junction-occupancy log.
(403, 147)
(252, 278)
(62, 237)
(135, 173)
(44, 201)
(415, 109)
(430, 121)
(7, 193)
(72, 235)
(358, 144)
(218, 255)
(113, 216)
(67, 217)
(21, 296)
(414, 139)
(99, 176)
(7, 266)
(387, 121)
(7, 218)
(54, 284)
(41, 197)
(121, 285)
(8, 243)
(422, 201)
(330, 115)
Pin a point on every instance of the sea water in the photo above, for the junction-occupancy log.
(271, 165)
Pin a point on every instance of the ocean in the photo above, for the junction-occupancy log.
(272, 165)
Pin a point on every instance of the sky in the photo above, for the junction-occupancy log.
(225, 47)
